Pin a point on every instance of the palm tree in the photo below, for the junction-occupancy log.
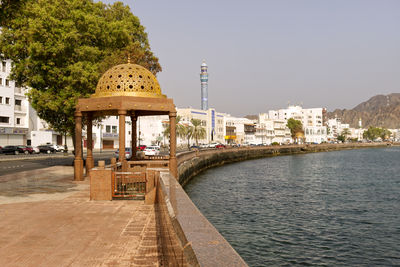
(179, 127)
(199, 132)
(186, 132)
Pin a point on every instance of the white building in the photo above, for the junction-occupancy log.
(14, 109)
(244, 130)
(272, 130)
(149, 132)
(212, 121)
(335, 128)
(313, 120)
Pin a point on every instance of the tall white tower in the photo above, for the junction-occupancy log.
(204, 85)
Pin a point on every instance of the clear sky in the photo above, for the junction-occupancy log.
(264, 53)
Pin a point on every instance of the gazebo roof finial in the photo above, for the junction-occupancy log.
(129, 59)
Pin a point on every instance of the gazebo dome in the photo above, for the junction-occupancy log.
(128, 80)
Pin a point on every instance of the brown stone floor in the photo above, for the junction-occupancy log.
(39, 229)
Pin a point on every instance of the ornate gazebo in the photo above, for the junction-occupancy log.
(124, 90)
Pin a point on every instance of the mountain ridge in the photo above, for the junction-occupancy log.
(378, 111)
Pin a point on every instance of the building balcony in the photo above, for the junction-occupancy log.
(19, 109)
(111, 135)
(19, 91)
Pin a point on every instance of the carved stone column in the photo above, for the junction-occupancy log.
(122, 115)
(78, 162)
(89, 144)
(172, 145)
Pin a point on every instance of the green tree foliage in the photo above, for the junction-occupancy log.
(345, 133)
(60, 48)
(8, 10)
(199, 132)
(341, 138)
(295, 127)
(373, 133)
(179, 127)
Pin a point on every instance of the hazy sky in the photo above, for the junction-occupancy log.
(263, 53)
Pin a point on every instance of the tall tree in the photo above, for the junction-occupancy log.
(295, 127)
(374, 133)
(61, 47)
(186, 133)
(199, 132)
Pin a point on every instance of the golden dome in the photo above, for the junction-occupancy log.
(128, 80)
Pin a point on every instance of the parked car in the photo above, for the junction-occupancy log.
(26, 149)
(57, 148)
(151, 151)
(46, 149)
(212, 145)
(141, 147)
(1, 150)
(128, 153)
(35, 150)
(220, 146)
(60, 148)
(194, 147)
(12, 150)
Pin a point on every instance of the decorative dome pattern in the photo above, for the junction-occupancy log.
(128, 80)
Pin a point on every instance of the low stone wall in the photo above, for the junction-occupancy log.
(188, 238)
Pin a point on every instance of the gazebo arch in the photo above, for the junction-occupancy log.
(123, 90)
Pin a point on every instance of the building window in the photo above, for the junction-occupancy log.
(18, 121)
(1, 100)
(4, 119)
(108, 129)
(114, 129)
(4, 65)
(7, 82)
(7, 101)
(18, 102)
(1, 81)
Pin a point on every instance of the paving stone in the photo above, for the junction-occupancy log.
(70, 230)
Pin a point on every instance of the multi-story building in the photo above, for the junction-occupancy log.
(244, 129)
(211, 120)
(149, 132)
(335, 128)
(272, 130)
(313, 120)
(14, 109)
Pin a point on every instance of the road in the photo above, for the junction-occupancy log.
(16, 163)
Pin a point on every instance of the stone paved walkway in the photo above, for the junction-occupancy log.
(70, 230)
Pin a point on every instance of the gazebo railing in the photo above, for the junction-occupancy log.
(129, 185)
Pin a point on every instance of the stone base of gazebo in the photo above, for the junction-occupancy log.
(137, 180)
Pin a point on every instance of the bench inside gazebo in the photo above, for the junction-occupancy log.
(124, 90)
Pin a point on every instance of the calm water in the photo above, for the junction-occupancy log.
(323, 209)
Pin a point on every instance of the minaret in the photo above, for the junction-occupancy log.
(204, 86)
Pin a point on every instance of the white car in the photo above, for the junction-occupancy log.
(212, 145)
(151, 151)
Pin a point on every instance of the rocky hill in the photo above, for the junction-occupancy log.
(378, 111)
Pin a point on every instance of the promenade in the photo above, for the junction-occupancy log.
(48, 220)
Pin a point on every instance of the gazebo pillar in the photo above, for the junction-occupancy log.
(134, 135)
(122, 115)
(78, 162)
(89, 144)
(173, 167)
